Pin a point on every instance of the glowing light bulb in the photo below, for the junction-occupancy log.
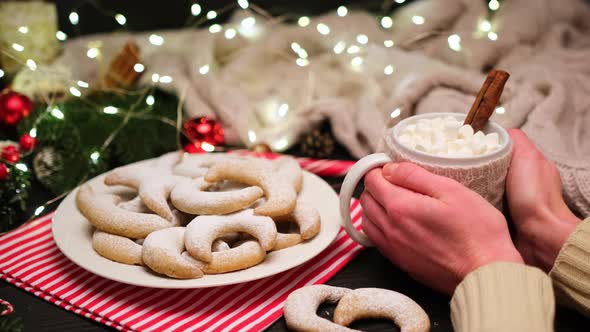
(230, 33)
(251, 136)
(82, 84)
(110, 110)
(61, 36)
(166, 79)
(39, 210)
(386, 22)
(492, 36)
(454, 41)
(388, 70)
(23, 29)
(203, 70)
(121, 19)
(494, 5)
(396, 112)
(31, 64)
(342, 11)
(150, 100)
(500, 110)
(400, 1)
(22, 167)
(302, 62)
(74, 18)
(195, 9)
(92, 52)
(243, 4)
(33, 132)
(207, 147)
(295, 47)
(248, 22)
(139, 67)
(74, 92)
(155, 77)
(281, 144)
(1, 73)
(323, 29)
(357, 61)
(303, 21)
(215, 28)
(418, 20)
(94, 156)
(282, 110)
(211, 14)
(18, 47)
(485, 25)
(362, 39)
(156, 39)
(353, 49)
(57, 113)
(388, 43)
(339, 47)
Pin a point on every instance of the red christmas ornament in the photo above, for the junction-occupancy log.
(27, 142)
(193, 148)
(10, 153)
(13, 107)
(203, 130)
(3, 172)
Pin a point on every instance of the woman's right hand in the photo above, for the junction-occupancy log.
(542, 219)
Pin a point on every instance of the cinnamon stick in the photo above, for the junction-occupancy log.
(485, 103)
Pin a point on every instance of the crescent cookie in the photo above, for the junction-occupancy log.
(153, 187)
(286, 240)
(162, 252)
(102, 212)
(301, 307)
(190, 197)
(289, 168)
(196, 165)
(203, 230)
(279, 192)
(244, 255)
(306, 217)
(116, 248)
(381, 303)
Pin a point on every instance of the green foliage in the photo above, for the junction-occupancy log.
(73, 149)
(10, 323)
(14, 192)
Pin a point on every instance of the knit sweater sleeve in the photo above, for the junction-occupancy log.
(502, 297)
(571, 272)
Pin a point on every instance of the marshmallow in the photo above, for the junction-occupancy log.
(447, 137)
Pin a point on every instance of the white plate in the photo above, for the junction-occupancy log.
(73, 235)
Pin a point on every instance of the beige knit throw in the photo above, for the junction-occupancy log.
(544, 44)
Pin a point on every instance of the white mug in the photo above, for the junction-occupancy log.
(499, 160)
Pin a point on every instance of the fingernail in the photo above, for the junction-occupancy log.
(388, 169)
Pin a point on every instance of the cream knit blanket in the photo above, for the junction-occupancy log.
(243, 81)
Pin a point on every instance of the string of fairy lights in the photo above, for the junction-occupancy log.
(248, 28)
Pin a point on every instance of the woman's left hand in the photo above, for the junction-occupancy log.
(432, 226)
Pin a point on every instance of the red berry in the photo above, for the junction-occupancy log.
(27, 142)
(10, 153)
(13, 107)
(3, 172)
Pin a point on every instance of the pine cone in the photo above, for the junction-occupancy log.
(319, 143)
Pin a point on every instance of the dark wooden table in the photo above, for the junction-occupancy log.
(368, 269)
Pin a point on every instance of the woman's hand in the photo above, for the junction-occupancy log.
(542, 219)
(432, 226)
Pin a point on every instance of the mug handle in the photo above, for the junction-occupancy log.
(354, 175)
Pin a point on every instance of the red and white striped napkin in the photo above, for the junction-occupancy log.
(29, 259)
(320, 167)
